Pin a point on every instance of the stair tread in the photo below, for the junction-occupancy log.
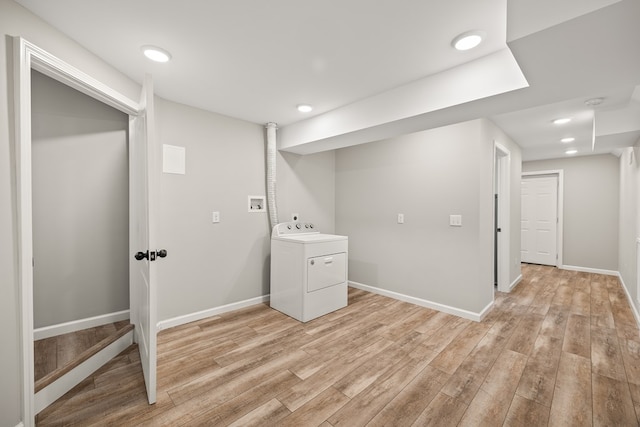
(80, 358)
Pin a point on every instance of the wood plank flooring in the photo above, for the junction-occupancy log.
(562, 349)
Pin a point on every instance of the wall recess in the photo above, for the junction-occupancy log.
(257, 204)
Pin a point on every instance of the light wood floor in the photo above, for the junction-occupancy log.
(563, 349)
(55, 352)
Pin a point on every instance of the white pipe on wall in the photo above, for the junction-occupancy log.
(271, 173)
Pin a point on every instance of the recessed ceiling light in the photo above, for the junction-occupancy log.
(304, 108)
(561, 121)
(568, 139)
(468, 40)
(571, 151)
(594, 101)
(155, 53)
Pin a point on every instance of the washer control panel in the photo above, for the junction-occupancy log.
(285, 228)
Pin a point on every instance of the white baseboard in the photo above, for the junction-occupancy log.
(58, 388)
(588, 270)
(21, 424)
(515, 282)
(78, 325)
(631, 303)
(425, 303)
(199, 315)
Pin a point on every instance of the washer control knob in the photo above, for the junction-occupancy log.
(306, 226)
(311, 225)
(298, 226)
(289, 226)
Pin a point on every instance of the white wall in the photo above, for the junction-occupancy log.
(630, 220)
(14, 21)
(591, 208)
(80, 173)
(426, 176)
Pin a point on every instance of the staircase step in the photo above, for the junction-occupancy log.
(82, 357)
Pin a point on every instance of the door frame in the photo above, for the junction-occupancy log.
(502, 187)
(28, 56)
(559, 229)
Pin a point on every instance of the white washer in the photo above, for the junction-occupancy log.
(308, 271)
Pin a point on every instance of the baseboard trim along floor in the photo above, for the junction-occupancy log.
(465, 314)
(199, 315)
(78, 325)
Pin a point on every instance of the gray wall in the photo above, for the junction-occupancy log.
(630, 220)
(15, 20)
(306, 186)
(210, 265)
(80, 175)
(591, 207)
(426, 176)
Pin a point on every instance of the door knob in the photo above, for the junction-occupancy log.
(141, 255)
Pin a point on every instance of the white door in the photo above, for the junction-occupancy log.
(143, 286)
(539, 222)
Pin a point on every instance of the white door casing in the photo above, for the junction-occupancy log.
(539, 219)
(28, 56)
(142, 273)
(502, 164)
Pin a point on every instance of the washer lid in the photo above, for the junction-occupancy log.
(311, 238)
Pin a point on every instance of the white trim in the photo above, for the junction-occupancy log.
(425, 303)
(633, 306)
(58, 388)
(59, 70)
(20, 425)
(515, 282)
(502, 164)
(28, 56)
(589, 270)
(78, 325)
(199, 315)
(637, 269)
(560, 228)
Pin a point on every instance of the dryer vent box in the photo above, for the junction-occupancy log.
(257, 204)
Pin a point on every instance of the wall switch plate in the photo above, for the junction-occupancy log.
(295, 217)
(400, 218)
(455, 220)
(216, 217)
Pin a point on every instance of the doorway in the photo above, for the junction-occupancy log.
(80, 208)
(502, 217)
(541, 218)
(142, 168)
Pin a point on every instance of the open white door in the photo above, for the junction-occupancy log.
(143, 286)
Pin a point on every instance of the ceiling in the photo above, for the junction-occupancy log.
(256, 60)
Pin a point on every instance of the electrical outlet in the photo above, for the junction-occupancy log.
(455, 220)
(400, 218)
(216, 217)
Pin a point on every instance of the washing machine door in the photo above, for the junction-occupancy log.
(327, 270)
